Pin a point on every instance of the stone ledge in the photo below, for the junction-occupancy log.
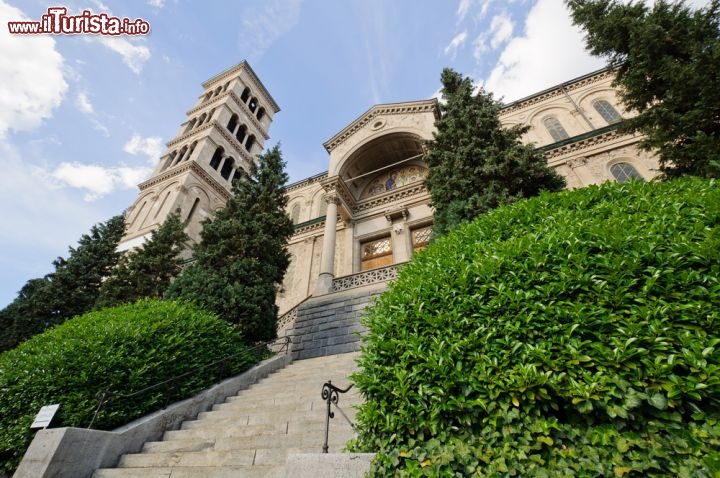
(325, 465)
(78, 452)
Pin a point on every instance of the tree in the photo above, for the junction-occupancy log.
(71, 289)
(242, 256)
(148, 270)
(667, 59)
(476, 164)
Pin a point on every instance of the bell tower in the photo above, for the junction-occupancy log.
(224, 132)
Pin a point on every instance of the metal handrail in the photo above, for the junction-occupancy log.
(104, 396)
(331, 395)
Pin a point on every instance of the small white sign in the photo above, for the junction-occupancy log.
(45, 416)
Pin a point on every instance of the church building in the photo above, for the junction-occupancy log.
(369, 212)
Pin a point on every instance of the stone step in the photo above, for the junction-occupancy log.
(252, 433)
(205, 458)
(273, 471)
(272, 415)
(308, 440)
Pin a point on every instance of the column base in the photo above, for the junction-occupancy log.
(324, 284)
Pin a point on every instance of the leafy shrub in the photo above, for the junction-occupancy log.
(123, 350)
(574, 334)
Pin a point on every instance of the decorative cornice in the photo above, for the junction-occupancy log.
(421, 106)
(557, 91)
(185, 167)
(392, 196)
(573, 148)
(306, 182)
(312, 226)
(223, 132)
(234, 71)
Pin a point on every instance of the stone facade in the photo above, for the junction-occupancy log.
(370, 210)
(582, 114)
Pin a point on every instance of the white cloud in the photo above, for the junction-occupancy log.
(156, 3)
(83, 103)
(31, 69)
(151, 147)
(96, 180)
(456, 43)
(134, 56)
(550, 51)
(501, 28)
(261, 27)
(465, 6)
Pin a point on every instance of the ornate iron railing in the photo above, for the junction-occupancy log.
(373, 276)
(331, 395)
(165, 387)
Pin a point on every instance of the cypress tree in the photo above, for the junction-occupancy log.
(242, 256)
(475, 164)
(71, 289)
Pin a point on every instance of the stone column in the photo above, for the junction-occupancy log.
(327, 260)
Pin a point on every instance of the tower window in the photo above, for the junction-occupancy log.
(240, 135)
(180, 155)
(606, 110)
(232, 124)
(250, 142)
(190, 125)
(216, 158)
(227, 167)
(624, 172)
(556, 130)
(260, 114)
(253, 105)
(245, 95)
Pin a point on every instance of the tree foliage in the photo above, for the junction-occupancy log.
(667, 58)
(242, 256)
(120, 350)
(71, 289)
(476, 164)
(147, 270)
(571, 334)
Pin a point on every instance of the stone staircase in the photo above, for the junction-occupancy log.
(252, 433)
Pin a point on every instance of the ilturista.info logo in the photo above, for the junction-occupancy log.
(57, 21)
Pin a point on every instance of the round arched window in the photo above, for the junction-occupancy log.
(624, 172)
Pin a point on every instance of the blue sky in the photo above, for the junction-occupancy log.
(84, 118)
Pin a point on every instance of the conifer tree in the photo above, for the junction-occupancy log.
(242, 256)
(71, 289)
(475, 164)
(667, 59)
(148, 270)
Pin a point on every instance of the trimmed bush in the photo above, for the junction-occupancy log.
(574, 334)
(122, 350)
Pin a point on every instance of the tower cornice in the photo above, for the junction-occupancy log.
(184, 168)
(233, 71)
(245, 108)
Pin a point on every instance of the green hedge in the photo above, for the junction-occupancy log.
(121, 349)
(574, 334)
